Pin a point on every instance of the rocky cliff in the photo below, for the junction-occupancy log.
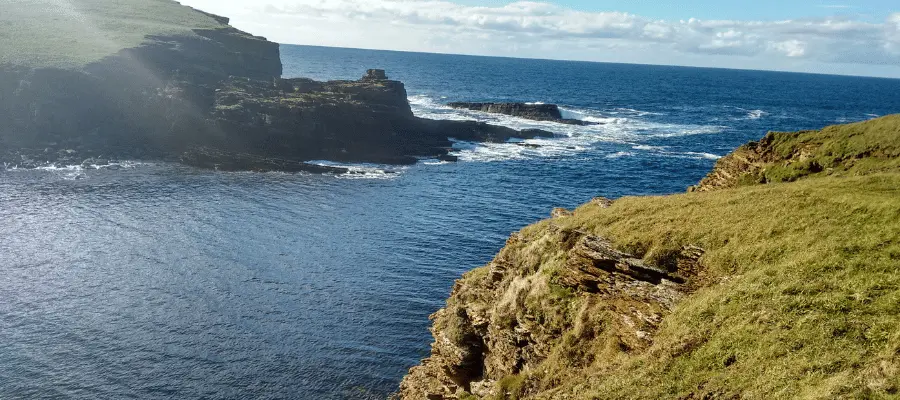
(157, 80)
(737, 290)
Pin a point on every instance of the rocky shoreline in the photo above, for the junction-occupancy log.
(216, 100)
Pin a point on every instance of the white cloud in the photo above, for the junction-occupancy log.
(790, 48)
(892, 33)
(539, 29)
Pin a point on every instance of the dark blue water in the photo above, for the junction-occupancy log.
(158, 281)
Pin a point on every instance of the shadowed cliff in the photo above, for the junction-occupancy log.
(88, 79)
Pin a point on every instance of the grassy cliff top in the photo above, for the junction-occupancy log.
(802, 291)
(851, 149)
(798, 295)
(73, 33)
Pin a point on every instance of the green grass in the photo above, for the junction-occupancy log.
(73, 33)
(799, 295)
(802, 292)
(851, 149)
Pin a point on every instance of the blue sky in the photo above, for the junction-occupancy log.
(726, 9)
(835, 37)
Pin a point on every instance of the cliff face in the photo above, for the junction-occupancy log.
(129, 103)
(157, 80)
(756, 291)
(554, 297)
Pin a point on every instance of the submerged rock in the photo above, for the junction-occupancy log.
(537, 112)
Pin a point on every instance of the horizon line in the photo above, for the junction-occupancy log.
(601, 62)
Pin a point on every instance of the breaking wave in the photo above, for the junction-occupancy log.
(616, 125)
(76, 171)
(363, 170)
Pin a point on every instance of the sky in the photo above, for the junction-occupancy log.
(834, 37)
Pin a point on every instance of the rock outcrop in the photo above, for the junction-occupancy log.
(552, 293)
(212, 96)
(533, 111)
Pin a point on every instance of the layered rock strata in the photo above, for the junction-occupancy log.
(514, 314)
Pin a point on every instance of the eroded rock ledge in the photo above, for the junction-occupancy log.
(552, 296)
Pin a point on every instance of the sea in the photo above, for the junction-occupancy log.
(155, 281)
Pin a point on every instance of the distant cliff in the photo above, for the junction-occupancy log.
(156, 80)
(777, 277)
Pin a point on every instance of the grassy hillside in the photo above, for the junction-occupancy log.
(851, 149)
(796, 295)
(801, 295)
(72, 33)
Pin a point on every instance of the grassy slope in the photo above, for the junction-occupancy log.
(859, 148)
(803, 295)
(73, 33)
(851, 149)
(800, 297)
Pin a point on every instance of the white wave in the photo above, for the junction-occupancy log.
(708, 156)
(638, 113)
(669, 131)
(663, 151)
(75, 171)
(620, 154)
(648, 148)
(569, 113)
(535, 103)
(526, 149)
(749, 114)
(363, 170)
(621, 125)
(113, 166)
(756, 114)
(435, 162)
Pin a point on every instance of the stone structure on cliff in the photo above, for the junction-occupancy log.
(206, 95)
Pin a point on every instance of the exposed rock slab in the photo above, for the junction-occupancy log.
(537, 112)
